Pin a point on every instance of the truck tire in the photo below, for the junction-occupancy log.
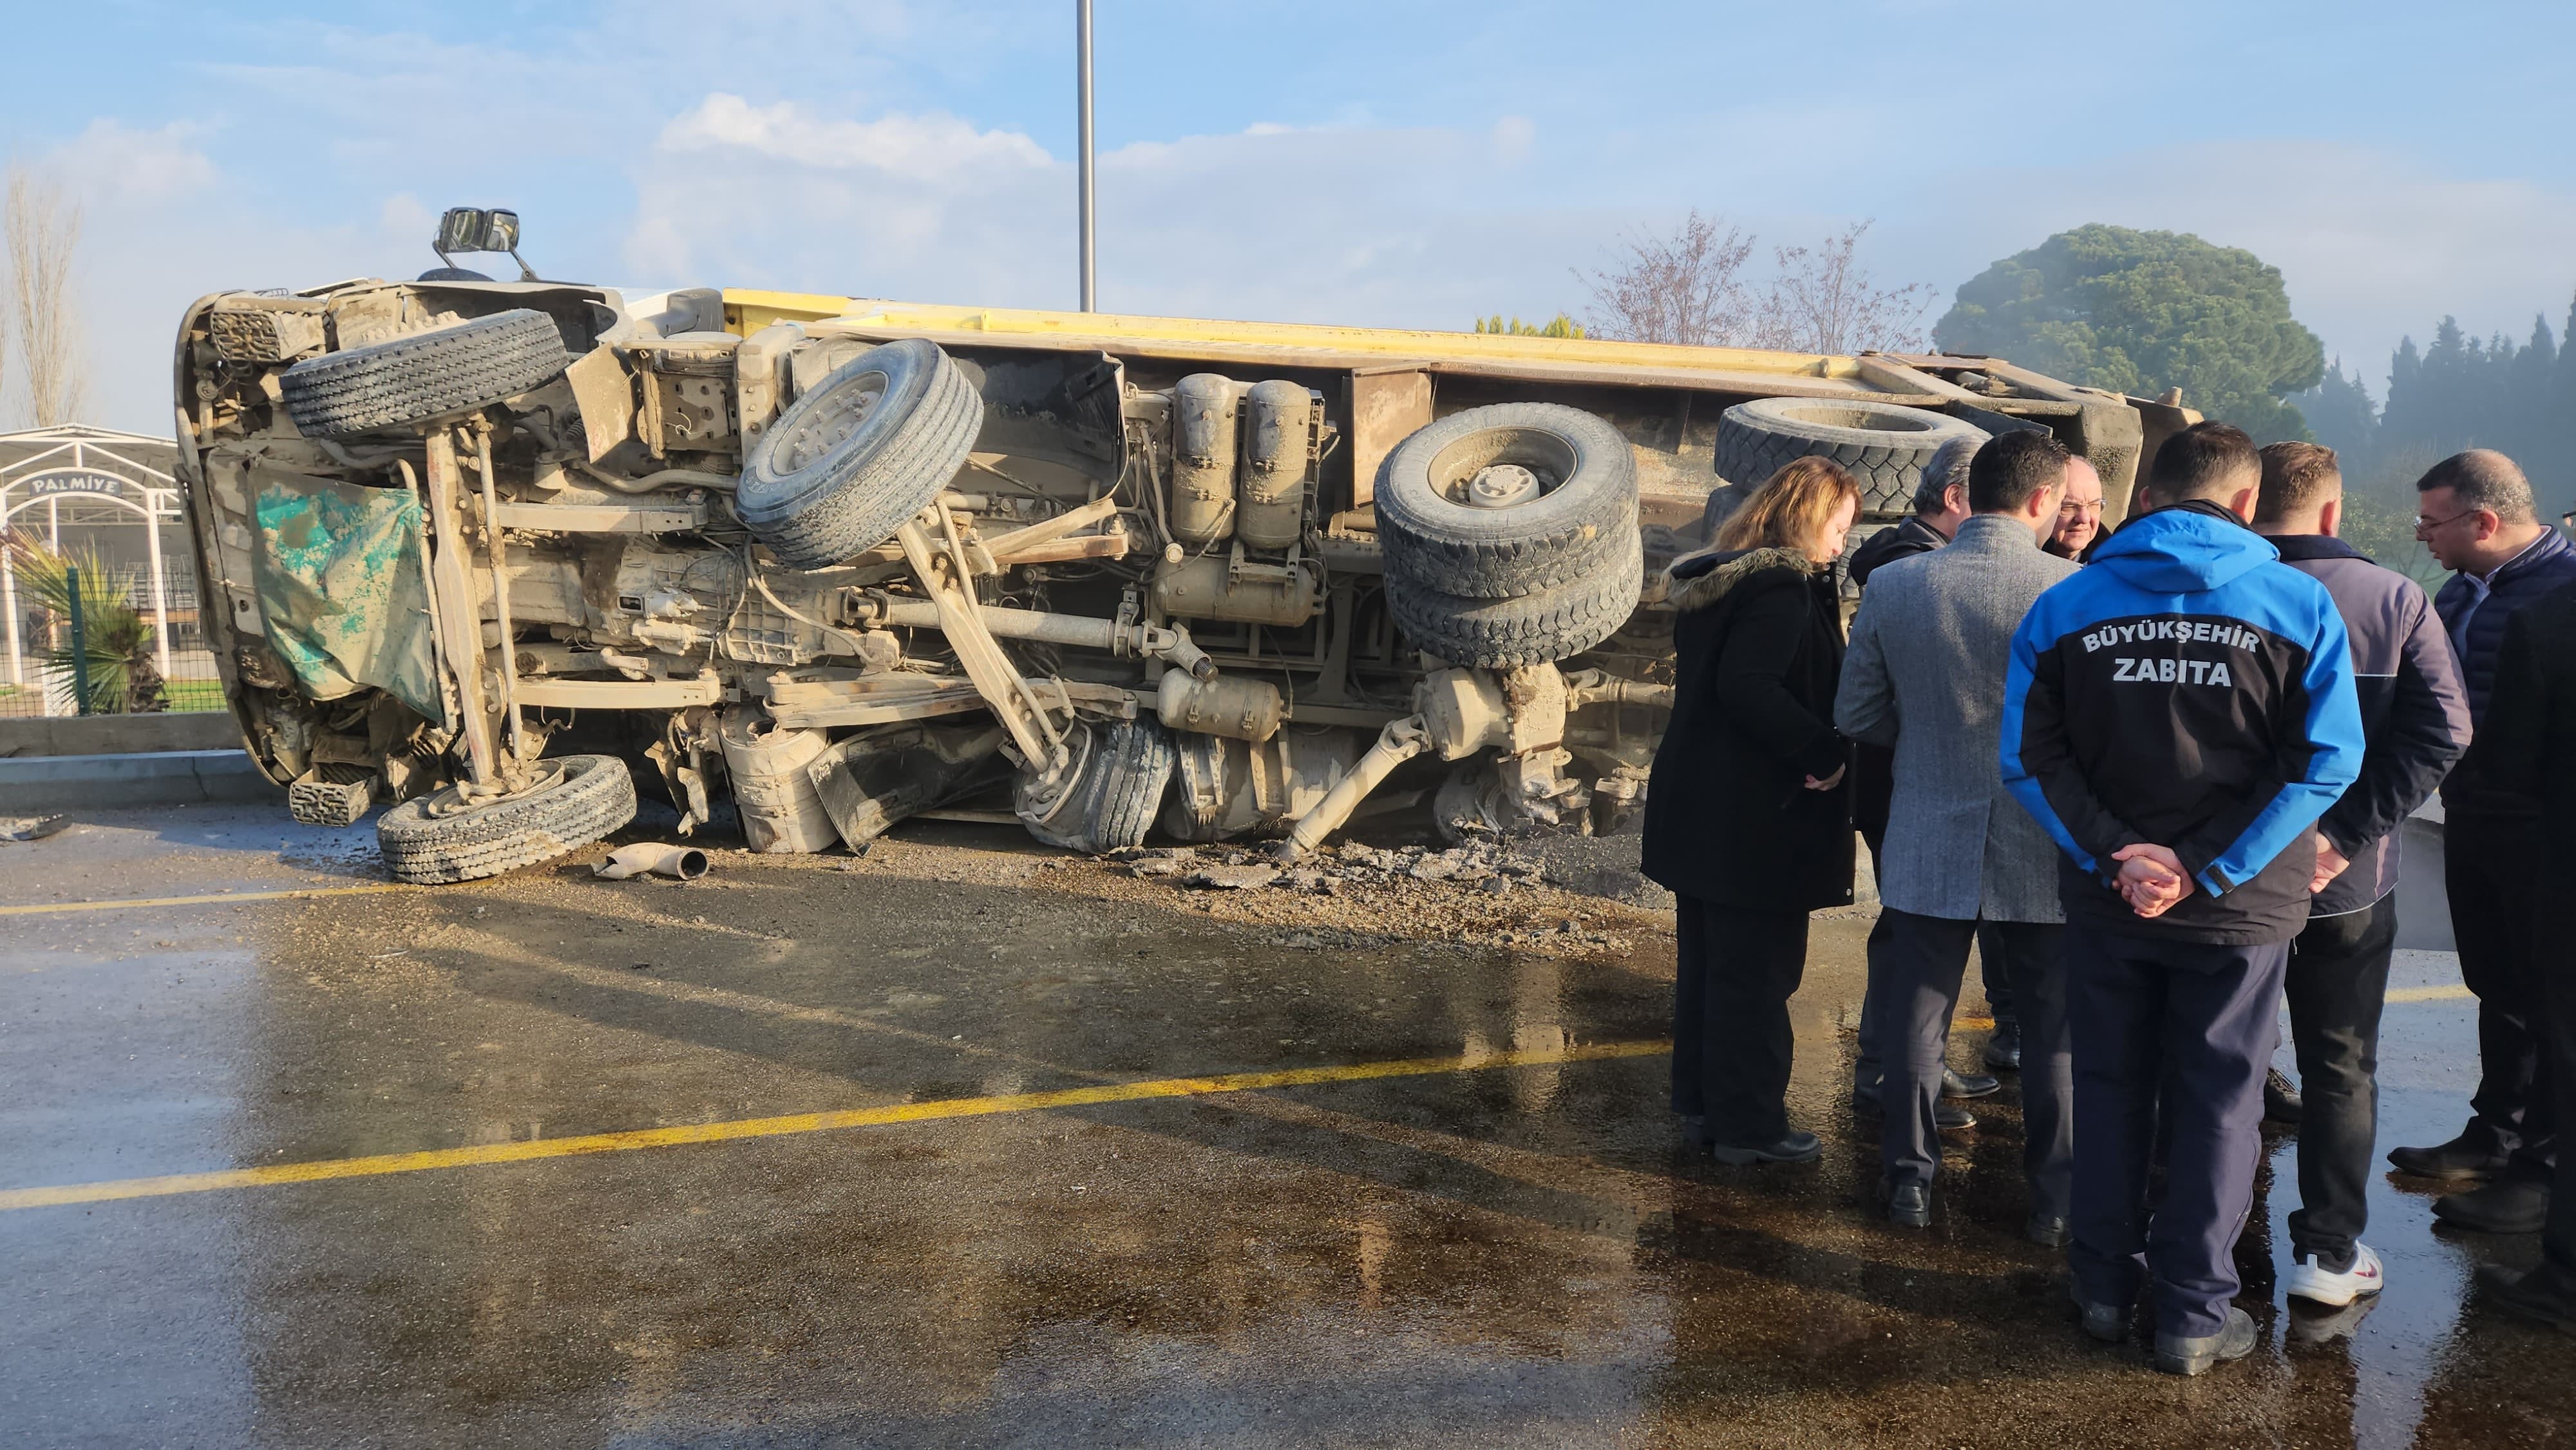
(426, 375)
(849, 462)
(588, 797)
(1583, 512)
(1884, 446)
(1117, 788)
(1534, 629)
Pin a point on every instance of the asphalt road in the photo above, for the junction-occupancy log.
(968, 1145)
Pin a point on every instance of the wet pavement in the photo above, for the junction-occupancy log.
(1500, 1241)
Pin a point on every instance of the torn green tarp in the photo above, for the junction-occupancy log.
(342, 589)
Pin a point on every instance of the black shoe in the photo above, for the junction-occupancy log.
(1958, 1085)
(1909, 1205)
(2470, 1155)
(2048, 1231)
(1796, 1148)
(2108, 1323)
(2176, 1354)
(2505, 1206)
(2281, 1103)
(2524, 1297)
(1945, 1118)
(2003, 1046)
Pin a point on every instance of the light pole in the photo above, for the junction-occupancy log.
(1082, 53)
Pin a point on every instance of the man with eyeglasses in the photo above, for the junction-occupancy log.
(2475, 514)
(2079, 514)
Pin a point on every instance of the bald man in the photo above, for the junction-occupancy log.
(2079, 514)
(2475, 513)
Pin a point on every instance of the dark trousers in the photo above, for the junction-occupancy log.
(1734, 972)
(2491, 868)
(1917, 984)
(2558, 1011)
(2337, 983)
(2143, 1008)
(1998, 983)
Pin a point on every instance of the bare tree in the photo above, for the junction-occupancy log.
(43, 235)
(1823, 301)
(1686, 287)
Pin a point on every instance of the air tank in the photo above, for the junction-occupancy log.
(1203, 453)
(1270, 510)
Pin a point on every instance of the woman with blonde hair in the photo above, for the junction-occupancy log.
(1748, 821)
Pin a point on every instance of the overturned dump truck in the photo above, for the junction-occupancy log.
(495, 552)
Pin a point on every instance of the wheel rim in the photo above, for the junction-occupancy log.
(1502, 468)
(831, 421)
(1858, 417)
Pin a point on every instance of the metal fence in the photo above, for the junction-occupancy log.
(33, 687)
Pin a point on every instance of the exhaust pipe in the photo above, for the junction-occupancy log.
(652, 858)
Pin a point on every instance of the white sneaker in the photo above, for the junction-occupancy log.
(2317, 1284)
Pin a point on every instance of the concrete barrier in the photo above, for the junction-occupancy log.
(119, 734)
(34, 784)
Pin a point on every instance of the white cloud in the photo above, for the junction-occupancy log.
(931, 149)
(116, 165)
(1421, 226)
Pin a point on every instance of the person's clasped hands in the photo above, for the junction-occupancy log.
(2151, 879)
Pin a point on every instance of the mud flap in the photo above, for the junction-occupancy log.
(878, 777)
(342, 591)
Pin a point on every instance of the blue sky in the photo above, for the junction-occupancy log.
(1390, 163)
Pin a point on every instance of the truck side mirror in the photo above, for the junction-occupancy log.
(460, 229)
(472, 229)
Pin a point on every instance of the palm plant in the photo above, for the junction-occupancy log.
(115, 637)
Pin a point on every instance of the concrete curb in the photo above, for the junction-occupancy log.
(32, 784)
(120, 734)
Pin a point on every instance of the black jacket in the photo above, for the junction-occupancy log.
(2413, 711)
(1910, 536)
(2186, 689)
(2528, 739)
(1874, 767)
(2475, 612)
(1758, 647)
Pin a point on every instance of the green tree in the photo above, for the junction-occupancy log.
(2140, 312)
(1558, 326)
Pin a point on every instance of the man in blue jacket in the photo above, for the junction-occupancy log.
(2474, 511)
(2178, 716)
(2416, 717)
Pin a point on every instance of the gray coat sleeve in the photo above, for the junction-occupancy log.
(1865, 700)
(2426, 729)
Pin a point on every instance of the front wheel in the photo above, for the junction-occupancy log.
(435, 839)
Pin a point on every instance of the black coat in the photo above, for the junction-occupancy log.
(2528, 740)
(1758, 644)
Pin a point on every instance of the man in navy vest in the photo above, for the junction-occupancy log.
(2475, 513)
(2416, 718)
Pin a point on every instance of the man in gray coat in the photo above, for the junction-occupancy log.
(1925, 674)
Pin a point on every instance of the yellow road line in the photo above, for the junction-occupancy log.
(56, 906)
(2451, 993)
(489, 1153)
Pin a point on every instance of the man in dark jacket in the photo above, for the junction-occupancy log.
(2475, 513)
(2416, 718)
(2527, 744)
(2178, 715)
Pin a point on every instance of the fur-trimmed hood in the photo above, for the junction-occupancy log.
(1700, 580)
